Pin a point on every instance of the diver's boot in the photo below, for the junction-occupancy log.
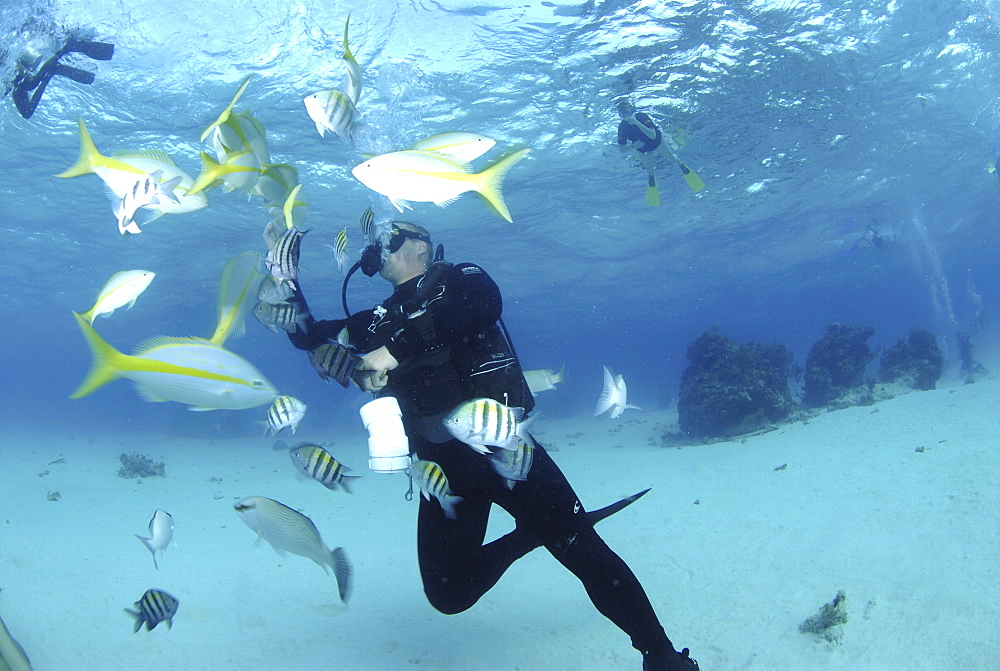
(669, 660)
(99, 51)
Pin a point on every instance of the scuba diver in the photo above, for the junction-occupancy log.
(638, 129)
(29, 84)
(971, 368)
(436, 343)
(874, 238)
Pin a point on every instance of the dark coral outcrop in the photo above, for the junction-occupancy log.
(728, 389)
(836, 364)
(916, 361)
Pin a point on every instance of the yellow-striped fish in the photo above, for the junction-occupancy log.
(240, 276)
(427, 177)
(513, 465)
(239, 170)
(484, 422)
(354, 80)
(154, 607)
(433, 482)
(186, 370)
(122, 288)
(339, 249)
(316, 463)
(288, 530)
(286, 411)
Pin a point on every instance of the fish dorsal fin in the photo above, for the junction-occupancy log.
(155, 154)
(457, 163)
(163, 341)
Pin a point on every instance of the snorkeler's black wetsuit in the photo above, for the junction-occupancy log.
(449, 353)
(627, 132)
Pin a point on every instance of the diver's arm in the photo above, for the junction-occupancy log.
(644, 123)
(315, 332)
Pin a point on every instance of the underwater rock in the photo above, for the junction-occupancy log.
(828, 622)
(916, 361)
(135, 465)
(729, 389)
(836, 364)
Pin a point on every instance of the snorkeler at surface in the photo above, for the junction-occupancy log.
(638, 130)
(873, 237)
(31, 79)
(436, 344)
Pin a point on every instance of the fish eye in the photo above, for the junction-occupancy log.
(257, 383)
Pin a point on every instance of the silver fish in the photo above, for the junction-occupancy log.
(283, 259)
(154, 607)
(288, 530)
(272, 292)
(332, 110)
(484, 422)
(333, 361)
(161, 532)
(433, 482)
(148, 190)
(513, 465)
(315, 462)
(285, 314)
(286, 411)
(544, 379)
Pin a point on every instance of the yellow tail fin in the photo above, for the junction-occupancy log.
(88, 158)
(103, 369)
(490, 182)
(210, 172)
(224, 117)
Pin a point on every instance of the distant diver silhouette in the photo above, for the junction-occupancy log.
(29, 84)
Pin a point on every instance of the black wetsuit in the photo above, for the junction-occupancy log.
(451, 352)
(627, 132)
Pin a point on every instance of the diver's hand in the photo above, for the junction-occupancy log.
(377, 364)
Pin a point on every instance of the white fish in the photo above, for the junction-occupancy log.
(613, 396)
(544, 379)
(146, 192)
(352, 86)
(186, 370)
(238, 170)
(286, 411)
(122, 288)
(288, 530)
(161, 533)
(235, 132)
(121, 171)
(417, 176)
(433, 482)
(332, 110)
(458, 145)
(484, 422)
(241, 275)
(277, 180)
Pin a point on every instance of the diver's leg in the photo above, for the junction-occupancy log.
(546, 506)
(28, 89)
(99, 51)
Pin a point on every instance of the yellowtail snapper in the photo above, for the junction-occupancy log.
(433, 482)
(286, 411)
(148, 190)
(154, 607)
(316, 463)
(484, 422)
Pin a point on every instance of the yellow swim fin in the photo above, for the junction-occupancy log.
(691, 177)
(652, 193)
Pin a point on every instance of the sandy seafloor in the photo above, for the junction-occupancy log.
(896, 504)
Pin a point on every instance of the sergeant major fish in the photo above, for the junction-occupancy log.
(484, 422)
(285, 314)
(513, 465)
(315, 462)
(161, 532)
(272, 292)
(283, 259)
(287, 530)
(334, 361)
(154, 607)
(286, 411)
(433, 482)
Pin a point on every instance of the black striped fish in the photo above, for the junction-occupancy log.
(285, 314)
(340, 249)
(286, 411)
(283, 259)
(316, 463)
(484, 422)
(433, 482)
(333, 361)
(368, 226)
(513, 465)
(154, 607)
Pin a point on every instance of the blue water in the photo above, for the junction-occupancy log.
(808, 121)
